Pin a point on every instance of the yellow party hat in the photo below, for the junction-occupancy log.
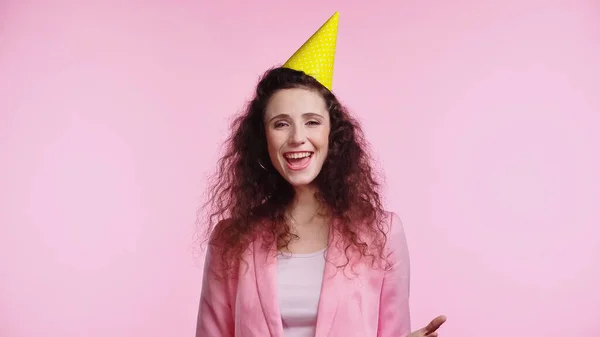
(317, 55)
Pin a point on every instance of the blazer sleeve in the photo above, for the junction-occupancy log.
(394, 312)
(215, 314)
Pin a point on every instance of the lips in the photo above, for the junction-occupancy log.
(298, 160)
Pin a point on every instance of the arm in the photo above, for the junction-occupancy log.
(394, 312)
(215, 316)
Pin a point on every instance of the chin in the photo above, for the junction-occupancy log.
(300, 181)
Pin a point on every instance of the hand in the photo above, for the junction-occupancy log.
(431, 329)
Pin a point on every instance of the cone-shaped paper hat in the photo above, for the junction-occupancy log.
(317, 55)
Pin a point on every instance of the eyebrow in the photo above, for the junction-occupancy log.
(307, 114)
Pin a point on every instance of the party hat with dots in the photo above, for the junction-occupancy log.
(317, 55)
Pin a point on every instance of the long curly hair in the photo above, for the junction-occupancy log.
(248, 197)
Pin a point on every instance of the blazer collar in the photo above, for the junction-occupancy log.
(332, 284)
(265, 264)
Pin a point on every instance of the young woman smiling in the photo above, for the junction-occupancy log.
(300, 244)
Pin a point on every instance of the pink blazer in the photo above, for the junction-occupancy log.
(367, 303)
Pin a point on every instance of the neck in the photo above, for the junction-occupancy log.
(305, 205)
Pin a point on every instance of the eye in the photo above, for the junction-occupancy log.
(313, 123)
(280, 124)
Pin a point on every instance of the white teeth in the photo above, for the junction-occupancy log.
(297, 155)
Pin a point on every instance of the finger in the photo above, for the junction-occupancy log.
(433, 334)
(435, 324)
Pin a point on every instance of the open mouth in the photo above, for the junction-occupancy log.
(298, 160)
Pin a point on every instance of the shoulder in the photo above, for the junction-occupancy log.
(396, 244)
(230, 239)
(392, 224)
(219, 229)
(242, 229)
(221, 259)
(217, 240)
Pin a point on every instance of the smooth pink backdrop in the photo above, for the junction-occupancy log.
(484, 115)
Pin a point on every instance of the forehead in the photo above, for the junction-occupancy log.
(296, 101)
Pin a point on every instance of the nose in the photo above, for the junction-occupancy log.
(297, 136)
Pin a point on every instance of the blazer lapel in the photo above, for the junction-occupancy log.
(331, 287)
(265, 264)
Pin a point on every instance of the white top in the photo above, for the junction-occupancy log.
(299, 288)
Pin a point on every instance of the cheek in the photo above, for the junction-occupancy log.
(274, 141)
(323, 139)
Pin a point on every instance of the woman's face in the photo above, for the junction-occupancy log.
(297, 129)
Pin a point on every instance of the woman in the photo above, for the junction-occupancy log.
(303, 246)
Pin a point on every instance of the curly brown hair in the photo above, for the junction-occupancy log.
(248, 197)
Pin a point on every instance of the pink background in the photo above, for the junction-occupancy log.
(484, 116)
